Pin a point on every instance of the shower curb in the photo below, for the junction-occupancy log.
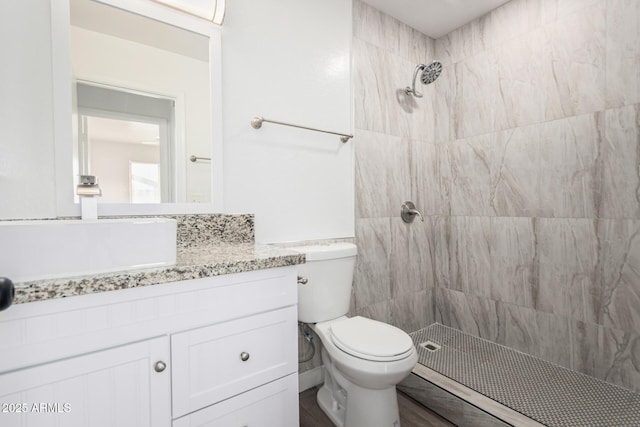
(458, 403)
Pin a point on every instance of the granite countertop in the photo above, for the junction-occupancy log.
(194, 262)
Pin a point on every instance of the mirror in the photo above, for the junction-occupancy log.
(141, 104)
(144, 100)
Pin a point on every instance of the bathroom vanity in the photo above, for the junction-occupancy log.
(210, 341)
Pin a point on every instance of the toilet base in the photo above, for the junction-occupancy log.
(330, 406)
(348, 405)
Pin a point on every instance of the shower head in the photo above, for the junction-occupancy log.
(429, 74)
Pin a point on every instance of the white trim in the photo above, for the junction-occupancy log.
(311, 378)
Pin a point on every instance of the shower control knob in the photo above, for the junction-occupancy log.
(160, 366)
(244, 356)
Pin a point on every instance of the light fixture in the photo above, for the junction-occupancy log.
(211, 10)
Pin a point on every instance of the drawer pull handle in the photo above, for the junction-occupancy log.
(160, 366)
(244, 356)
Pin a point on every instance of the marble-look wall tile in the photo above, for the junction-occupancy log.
(389, 34)
(623, 53)
(411, 257)
(582, 341)
(476, 87)
(370, 173)
(567, 7)
(621, 160)
(514, 277)
(422, 253)
(471, 175)
(399, 179)
(567, 258)
(554, 9)
(409, 116)
(372, 279)
(519, 100)
(415, 46)
(371, 82)
(382, 172)
(514, 172)
(405, 272)
(380, 311)
(411, 312)
(465, 41)
(535, 333)
(574, 63)
(375, 27)
(440, 238)
(474, 315)
(515, 18)
(570, 166)
(620, 357)
(431, 174)
(443, 104)
(620, 273)
(470, 256)
(552, 330)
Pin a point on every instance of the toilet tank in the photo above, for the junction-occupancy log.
(329, 273)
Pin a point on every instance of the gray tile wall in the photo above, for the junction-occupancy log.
(394, 280)
(524, 156)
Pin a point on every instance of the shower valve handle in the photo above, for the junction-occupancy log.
(409, 212)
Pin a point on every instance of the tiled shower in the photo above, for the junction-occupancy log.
(523, 156)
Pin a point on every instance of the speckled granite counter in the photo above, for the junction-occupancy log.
(192, 262)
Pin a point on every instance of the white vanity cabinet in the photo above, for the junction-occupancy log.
(113, 387)
(213, 351)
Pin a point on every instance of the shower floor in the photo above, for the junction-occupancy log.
(542, 391)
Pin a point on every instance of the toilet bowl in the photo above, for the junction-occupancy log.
(363, 359)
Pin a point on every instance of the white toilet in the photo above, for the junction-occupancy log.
(363, 359)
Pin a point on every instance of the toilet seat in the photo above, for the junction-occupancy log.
(371, 340)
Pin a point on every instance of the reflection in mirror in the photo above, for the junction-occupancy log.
(141, 106)
(119, 131)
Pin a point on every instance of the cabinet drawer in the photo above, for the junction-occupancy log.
(208, 363)
(271, 405)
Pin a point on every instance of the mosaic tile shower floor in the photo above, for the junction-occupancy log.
(547, 393)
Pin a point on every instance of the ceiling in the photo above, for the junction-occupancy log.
(435, 18)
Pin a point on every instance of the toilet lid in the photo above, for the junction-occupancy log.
(371, 340)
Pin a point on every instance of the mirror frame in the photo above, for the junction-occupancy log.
(62, 111)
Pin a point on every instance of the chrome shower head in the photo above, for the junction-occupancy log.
(429, 74)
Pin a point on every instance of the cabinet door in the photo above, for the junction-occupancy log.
(271, 405)
(216, 362)
(115, 387)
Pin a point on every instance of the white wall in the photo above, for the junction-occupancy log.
(110, 161)
(27, 173)
(289, 60)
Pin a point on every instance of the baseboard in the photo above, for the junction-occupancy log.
(309, 379)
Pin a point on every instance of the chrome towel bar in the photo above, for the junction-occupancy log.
(256, 122)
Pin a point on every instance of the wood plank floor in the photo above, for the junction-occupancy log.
(412, 414)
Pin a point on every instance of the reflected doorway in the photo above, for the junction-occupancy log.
(125, 139)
